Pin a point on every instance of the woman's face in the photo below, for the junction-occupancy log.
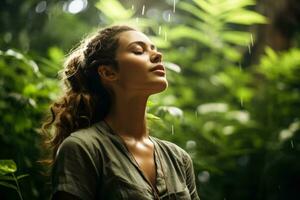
(140, 67)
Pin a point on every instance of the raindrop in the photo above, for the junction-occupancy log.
(196, 113)
(166, 15)
(169, 17)
(174, 5)
(159, 30)
(249, 49)
(292, 144)
(137, 20)
(251, 37)
(132, 7)
(172, 129)
(240, 66)
(143, 10)
(242, 102)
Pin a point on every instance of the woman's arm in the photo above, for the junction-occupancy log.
(190, 178)
(74, 171)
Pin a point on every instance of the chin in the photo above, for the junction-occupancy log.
(160, 86)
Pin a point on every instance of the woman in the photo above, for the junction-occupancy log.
(101, 144)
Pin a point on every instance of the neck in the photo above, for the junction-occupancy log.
(128, 117)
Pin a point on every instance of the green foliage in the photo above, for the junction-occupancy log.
(24, 98)
(8, 167)
(213, 24)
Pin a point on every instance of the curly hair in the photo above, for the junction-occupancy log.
(85, 100)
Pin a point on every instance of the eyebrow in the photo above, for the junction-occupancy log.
(152, 46)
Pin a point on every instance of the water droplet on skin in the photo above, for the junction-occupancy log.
(159, 30)
(251, 37)
(174, 5)
(143, 10)
(292, 144)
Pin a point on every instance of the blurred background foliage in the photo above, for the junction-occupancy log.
(233, 101)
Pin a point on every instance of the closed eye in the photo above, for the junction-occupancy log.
(139, 52)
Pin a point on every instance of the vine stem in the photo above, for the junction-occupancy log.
(18, 187)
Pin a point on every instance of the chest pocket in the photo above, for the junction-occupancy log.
(122, 189)
(181, 195)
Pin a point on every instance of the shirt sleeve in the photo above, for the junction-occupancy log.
(190, 177)
(74, 170)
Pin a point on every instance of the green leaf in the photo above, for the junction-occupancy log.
(8, 185)
(55, 54)
(195, 11)
(230, 5)
(245, 17)
(7, 178)
(189, 33)
(7, 166)
(207, 7)
(232, 53)
(22, 176)
(236, 37)
(271, 53)
(152, 117)
(114, 10)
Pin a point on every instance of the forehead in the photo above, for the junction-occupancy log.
(128, 37)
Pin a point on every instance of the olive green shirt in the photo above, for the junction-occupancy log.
(94, 164)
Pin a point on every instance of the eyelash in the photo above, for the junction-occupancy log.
(138, 52)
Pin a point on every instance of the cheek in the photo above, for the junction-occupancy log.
(133, 66)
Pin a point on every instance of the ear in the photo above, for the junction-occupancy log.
(107, 73)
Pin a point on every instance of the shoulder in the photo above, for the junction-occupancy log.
(173, 149)
(86, 141)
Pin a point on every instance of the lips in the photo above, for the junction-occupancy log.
(157, 67)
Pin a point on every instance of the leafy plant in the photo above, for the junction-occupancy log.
(24, 96)
(8, 169)
(218, 25)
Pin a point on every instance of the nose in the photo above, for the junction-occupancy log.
(156, 57)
